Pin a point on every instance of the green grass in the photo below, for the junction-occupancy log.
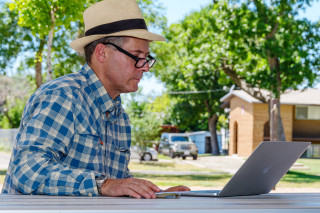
(309, 178)
(313, 164)
(165, 166)
(204, 155)
(164, 157)
(2, 175)
(187, 180)
(293, 179)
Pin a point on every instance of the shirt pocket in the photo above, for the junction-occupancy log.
(86, 151)
(123, 133)
(119, 157)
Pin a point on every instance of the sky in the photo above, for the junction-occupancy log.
(176, 10)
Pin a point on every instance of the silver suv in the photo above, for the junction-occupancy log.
(177, 144)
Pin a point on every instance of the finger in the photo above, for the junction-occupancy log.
(131, 193)
(148, 186)
(177, 188)
(183, 188)
(154, 187)
(142, 189)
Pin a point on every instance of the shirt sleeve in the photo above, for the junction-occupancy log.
(128, 174)
(48, 129)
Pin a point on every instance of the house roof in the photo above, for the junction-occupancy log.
(309, 96)
(198, 133)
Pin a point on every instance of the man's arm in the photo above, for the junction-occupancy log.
(48, 128)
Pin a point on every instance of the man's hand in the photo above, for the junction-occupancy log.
(133, 187)
(177, 188)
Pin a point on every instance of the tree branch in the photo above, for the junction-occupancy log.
(244, 85)
(206, 102)
(274, 29)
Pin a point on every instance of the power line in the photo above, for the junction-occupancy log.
(196, 92)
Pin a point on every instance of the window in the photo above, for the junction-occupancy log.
(308, 112)
(179, 139)
(314, 112)
(302, 113)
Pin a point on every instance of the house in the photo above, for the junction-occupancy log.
(202, 141)
(249, 120)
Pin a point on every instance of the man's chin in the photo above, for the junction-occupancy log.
(134, 89)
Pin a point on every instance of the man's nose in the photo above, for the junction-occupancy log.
(145, 68)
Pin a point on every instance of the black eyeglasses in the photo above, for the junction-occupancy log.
(140, 62)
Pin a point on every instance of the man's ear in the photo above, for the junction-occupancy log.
(100, 53)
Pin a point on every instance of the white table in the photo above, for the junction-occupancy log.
(290, 202)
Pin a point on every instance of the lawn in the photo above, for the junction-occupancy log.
(293, 179)
(309, 178)
(169, 165)
(216, 181)
(2, 175)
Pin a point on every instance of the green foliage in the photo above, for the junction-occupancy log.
(11, 37)
(13, 117)
(66, 60)
(162, 106)
(36, 14)
(153, 13)
(145, 123)
(13, 94)
(266, 45)
(145, 129)
(185, 65)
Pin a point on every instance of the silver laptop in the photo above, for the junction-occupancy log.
(269, 162)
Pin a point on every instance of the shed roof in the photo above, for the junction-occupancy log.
(309, 96)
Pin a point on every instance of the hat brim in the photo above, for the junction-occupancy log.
(79, 44)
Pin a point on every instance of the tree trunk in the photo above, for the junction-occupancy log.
(276, 126)
(212, 123)
(213, 132)
(49, 46)
(38, 63)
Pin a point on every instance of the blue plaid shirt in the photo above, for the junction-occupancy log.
(71, 133)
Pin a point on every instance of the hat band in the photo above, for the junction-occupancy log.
(128, 24)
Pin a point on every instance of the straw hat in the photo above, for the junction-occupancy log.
(113, 18)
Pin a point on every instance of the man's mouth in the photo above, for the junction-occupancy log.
(137, 78)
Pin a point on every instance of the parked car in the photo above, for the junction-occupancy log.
(177, 145)
(145, 154)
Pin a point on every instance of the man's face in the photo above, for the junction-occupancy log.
(120, 74)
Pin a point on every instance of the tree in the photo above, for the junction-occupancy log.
(43, 18)
(262, 47)
(12, 37)
(145, 123)
(153, 13)
(185, 67)
(13, 94)
(46, 19)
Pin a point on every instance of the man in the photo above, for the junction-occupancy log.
(74, 136)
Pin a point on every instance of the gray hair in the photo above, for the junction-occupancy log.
(89, 49)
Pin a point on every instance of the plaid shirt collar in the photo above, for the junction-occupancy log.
(106, 104)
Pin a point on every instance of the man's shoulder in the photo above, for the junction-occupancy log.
(70, 83)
